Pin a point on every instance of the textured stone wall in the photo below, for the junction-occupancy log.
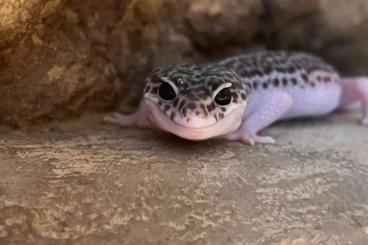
(59, 58)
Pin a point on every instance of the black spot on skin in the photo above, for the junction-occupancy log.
(184, 86)
(255, 85)
(327, 79)
(191, 106)
(167, 107)
(265, 85)
(236, 85)
(294, 81)
(154, 90)
(210, 107)
(172, 115)
(175, 102)
(305, 77)
(276, 82)
(244, 73)
(197, 113)
(319, 78)
(255, 72)
(312, 84)
(159, 103)
(280, 70)
(291, 69)
(223, 109)
(284, 82)
(184, 111)
(268, 70)
(188, 119)
(221, 115)
(243, 96)
(197, 76)
(235, 96)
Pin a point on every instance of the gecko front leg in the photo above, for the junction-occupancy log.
(267, 112)
(139, 118)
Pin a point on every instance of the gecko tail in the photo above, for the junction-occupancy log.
(355, 93)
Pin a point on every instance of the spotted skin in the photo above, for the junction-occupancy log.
(264, 87)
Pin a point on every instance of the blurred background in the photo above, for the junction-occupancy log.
(60, 58)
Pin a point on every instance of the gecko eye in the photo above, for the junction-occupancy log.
(222, 95)
(166, 91)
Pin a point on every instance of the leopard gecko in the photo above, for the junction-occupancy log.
(237, 97)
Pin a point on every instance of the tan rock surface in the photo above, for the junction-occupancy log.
(88, 183)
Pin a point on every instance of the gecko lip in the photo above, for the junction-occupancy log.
(228, 124)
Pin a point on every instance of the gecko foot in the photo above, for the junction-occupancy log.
(251, 139)
(257, 139)
(117, 118)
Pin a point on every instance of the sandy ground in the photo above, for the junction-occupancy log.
(84, 182)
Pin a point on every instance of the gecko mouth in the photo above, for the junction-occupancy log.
(228, 124)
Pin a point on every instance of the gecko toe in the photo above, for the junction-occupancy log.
(247, 141)
(264, 140)
(117, 118)
(257, 139)
(112, 118)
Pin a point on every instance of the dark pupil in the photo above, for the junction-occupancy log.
(166, 92)
(223, 97)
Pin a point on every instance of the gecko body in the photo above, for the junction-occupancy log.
(239, 96)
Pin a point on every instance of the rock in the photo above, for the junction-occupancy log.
(58, 65)
(87, 183)
(60, 58)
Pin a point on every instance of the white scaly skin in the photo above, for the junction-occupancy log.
(239, 96)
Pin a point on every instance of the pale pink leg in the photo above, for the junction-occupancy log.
(355, 90)
(267, 113)
(139, 118)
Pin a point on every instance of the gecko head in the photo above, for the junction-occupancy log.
(195, 102)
